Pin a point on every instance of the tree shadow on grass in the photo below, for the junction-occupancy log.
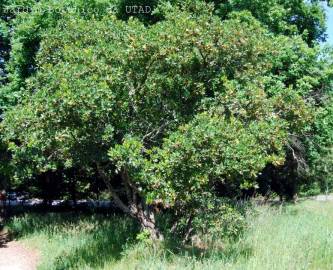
(95, 239)
(103, 245)
(99, 239)
(227, 250)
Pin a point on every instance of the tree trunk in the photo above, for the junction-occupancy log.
(139, 209)
(135, 207)
(146, 217)
(3, 198)
(73, 192)
(2, 208)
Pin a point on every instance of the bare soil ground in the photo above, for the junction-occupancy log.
(14, 256)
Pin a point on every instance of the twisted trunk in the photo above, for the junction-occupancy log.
(146, 217)
(135, 207)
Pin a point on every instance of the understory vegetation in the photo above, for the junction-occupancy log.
(275, 237)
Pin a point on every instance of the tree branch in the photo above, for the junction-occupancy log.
(113, 192)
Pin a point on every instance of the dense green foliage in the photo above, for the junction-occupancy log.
(180, 107)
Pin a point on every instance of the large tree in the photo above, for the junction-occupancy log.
(174, 104)
(173, 108)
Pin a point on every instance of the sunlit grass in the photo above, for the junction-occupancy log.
(290, 237)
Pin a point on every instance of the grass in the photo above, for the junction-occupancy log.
(291, 237)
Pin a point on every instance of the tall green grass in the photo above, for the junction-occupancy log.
(71, 241)
(286, 237)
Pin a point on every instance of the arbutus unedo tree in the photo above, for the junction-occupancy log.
(170, 109)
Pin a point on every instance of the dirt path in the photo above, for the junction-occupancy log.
(13, 256)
